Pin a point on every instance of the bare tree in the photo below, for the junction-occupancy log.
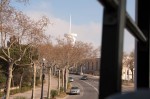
(131, 63)
(68, 55)
(128, 61)
(19, 28)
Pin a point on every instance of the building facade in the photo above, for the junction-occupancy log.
(89, 66)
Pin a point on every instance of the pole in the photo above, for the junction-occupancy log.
(81, 72)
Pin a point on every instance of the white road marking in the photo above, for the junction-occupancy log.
(91, 86)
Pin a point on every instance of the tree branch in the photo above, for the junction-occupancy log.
(3, 58)
(23, 64)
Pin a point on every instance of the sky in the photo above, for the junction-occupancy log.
(86, 18)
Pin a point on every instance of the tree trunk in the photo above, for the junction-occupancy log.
(49, 83)
(132, 75)
(8, 85)
(12, 82)
(54, 71)
(20, 84)
(2, 40)
(59, 80)
(63, 79)
(34, 81)
(66, 79)
(40, 74)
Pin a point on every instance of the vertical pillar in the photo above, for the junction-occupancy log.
(112, 50)
(142, 48)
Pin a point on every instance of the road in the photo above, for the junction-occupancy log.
(88, 88)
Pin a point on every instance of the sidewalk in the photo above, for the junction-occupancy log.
(27, 94)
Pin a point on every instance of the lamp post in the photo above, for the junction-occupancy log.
(43, 76)
(81, 71)
(84, 69)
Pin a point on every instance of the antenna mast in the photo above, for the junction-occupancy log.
(70, 25)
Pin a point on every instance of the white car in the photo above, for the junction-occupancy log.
(75, 90)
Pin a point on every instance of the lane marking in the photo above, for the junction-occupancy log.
(91, 86)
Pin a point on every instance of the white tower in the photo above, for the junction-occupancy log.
(70, 36)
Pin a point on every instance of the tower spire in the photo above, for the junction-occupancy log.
(70, 25)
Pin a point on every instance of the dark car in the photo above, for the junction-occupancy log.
(84, 78)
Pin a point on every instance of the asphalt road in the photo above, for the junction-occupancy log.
(88, 88)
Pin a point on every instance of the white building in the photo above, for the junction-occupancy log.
(126, 73)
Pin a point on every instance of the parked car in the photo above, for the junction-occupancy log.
(75, 90)
(71, 79)
(84, 77)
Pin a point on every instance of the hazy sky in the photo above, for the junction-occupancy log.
(86, 18)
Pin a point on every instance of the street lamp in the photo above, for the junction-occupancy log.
(84, 68)
(81, 71)
(43, 76)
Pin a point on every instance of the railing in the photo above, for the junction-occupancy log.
(115, 20)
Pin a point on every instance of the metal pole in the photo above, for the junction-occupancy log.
(42, 81)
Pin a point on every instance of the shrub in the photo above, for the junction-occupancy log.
(24, 89)
(61, 89)
(14, 91)
(54, 93)
(69, 85)
(1, 94)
